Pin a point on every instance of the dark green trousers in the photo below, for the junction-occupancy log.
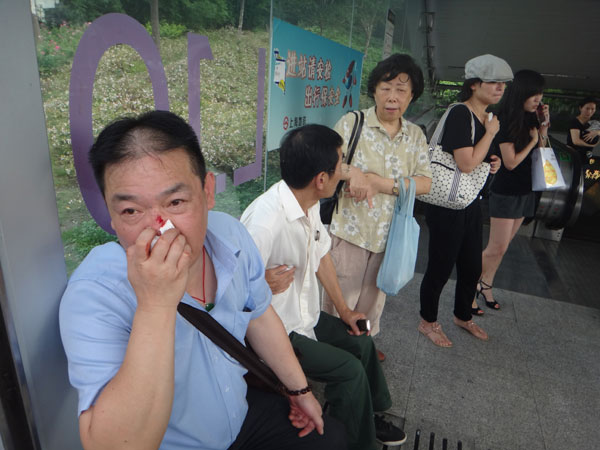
(355, 384)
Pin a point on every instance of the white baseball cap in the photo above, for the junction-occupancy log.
(488, 68)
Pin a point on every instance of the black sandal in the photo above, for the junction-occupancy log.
(483, 286)
(477, 311)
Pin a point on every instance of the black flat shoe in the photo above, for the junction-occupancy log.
(483, 286)
(477, 311)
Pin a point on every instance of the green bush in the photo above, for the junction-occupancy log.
(57, 45)
(168, 30)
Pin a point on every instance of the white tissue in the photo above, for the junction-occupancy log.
(167, 226)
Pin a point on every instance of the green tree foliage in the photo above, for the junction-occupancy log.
(193, 14)
(256, 13)
(80, 11)
(319, 14)
(197, 14)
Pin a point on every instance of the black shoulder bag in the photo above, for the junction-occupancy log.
(329, 204)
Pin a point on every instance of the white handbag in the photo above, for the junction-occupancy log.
(450, 187)
(545, 170)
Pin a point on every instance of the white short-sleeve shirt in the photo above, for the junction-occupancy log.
(285, 235)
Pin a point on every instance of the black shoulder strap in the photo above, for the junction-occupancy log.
(354, 137)
(213, 330)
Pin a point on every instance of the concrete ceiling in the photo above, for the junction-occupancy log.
(559, 38)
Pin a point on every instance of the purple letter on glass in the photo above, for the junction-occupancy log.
(103, 33)
(198, 48)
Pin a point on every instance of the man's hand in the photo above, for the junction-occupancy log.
(495, 164)
(279, 278)
(350, 317)
(306, 413)
(269, 339)
(159, 277)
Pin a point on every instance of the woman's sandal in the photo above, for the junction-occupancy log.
(435, 335)
(472, 328)
(477, 311)
(483, 286)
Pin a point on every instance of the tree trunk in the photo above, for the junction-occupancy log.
(241, 22)
(368, 41)
(368, 26)
(155, 23)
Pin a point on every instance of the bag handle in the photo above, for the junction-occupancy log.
(352, 143)
(406, 199)
(356, 130)
(439, 129)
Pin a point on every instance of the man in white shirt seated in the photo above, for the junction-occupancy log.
(286, 226)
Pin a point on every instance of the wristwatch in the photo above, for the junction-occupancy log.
(396, 187)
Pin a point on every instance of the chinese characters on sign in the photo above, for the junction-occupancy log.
(315, 95)
(592, 175)
(313, 80)
(293, 122)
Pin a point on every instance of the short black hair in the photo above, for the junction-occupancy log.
(465, 91)
(307, 151)
(154, 132)
(587, 100)
(391, 67)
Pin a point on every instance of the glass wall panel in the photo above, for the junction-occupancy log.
(228, 81)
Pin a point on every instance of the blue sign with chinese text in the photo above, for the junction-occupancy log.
(313, 80)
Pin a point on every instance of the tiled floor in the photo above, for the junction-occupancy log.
(534, 385)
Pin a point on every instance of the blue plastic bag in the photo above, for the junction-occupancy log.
(398, 266)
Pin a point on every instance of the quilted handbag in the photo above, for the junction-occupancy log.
(450, 187)
(398, 265)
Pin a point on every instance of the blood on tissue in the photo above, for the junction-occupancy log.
(164, 226)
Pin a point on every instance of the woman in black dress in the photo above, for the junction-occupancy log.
(580, 137)
(455, 235)
(511, 197)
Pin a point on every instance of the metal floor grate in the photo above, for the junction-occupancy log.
(442, 443)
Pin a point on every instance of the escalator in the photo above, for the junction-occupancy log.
(586, 224)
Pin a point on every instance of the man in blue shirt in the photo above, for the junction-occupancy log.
(146, 377)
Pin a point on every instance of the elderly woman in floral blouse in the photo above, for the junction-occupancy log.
(389, 151)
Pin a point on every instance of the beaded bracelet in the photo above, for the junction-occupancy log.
(302, 391)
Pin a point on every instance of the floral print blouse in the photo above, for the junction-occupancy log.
(405, 155)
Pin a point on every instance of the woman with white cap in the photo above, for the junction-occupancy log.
(455, 236)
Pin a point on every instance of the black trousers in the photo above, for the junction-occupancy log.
(267, 427)
(454, 239)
